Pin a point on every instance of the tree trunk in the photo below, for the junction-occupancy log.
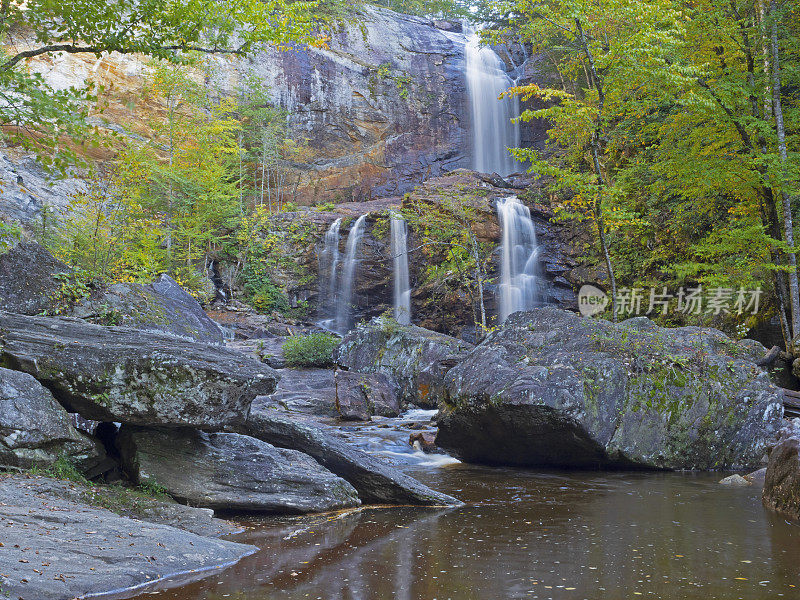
(479, 282)
(788, 226)
(596, 150)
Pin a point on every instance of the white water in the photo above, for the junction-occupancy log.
(344, 300)
(520, 271)
(389, 437)
(492, 130)
(328, 265)
(402, 285)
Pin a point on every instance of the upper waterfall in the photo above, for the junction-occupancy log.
(493, 132)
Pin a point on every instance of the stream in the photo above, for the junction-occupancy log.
(521, 534)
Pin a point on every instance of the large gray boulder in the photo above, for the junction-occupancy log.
(60, 549)
(162, 305)
(415, 357)
(35, 430)
(133, 376)
(376, 481)
(359, 396)
(231, 472)
(552, 388)
(782, 480)
(31, 280)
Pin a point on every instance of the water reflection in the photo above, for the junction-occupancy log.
(527, 535)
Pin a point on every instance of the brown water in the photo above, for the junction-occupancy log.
(526, 534)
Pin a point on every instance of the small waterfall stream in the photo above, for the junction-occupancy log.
(402, 286)
(520, 270)
(344, 301)
(492, 130)
(329, 260)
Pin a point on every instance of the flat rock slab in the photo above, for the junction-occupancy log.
(232, 472)
(57, 549)
(133, 376)
(376, 481)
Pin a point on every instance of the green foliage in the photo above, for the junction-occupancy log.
(38, 116)
(312, 350)
(62, 468)
(688, 144)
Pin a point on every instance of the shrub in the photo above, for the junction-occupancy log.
(313, 350)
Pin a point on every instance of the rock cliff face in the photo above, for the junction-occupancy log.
(382, 107)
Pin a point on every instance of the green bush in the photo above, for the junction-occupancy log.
(313, 350)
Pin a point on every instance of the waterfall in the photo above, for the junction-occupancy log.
(344, 308)
(402, 286)
(520, 271)
(492, 130)
(328, 265)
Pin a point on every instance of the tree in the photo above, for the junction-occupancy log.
(663, 107)
(444, 224)
(38, 117)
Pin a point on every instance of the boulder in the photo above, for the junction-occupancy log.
(30, 279)
(552, 388)
(162, 305)
(359, 396)
(782, 479)
(415, 357)
(133, 376)
(376, 481)
(35, 430)
(735, 480)
(306, 391)
(57, 549)
(231, 472)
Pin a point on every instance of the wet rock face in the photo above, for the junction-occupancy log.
(782, 480)
(132, 376)
(382, 107)
(232, 472)
(417, 359)
(35, 429)
(30, 279)
(552, 388)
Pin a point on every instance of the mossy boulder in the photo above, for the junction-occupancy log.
(415, 358)
(162, 305)
(552, 388)
(134, 376)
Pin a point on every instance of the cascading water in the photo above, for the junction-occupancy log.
(328, 265)
(402, 286)
(520, 271)
(493, 132)
(344, 308)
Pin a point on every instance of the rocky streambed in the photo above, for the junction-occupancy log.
(157, 400)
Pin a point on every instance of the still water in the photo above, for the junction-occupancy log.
(522, 534)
